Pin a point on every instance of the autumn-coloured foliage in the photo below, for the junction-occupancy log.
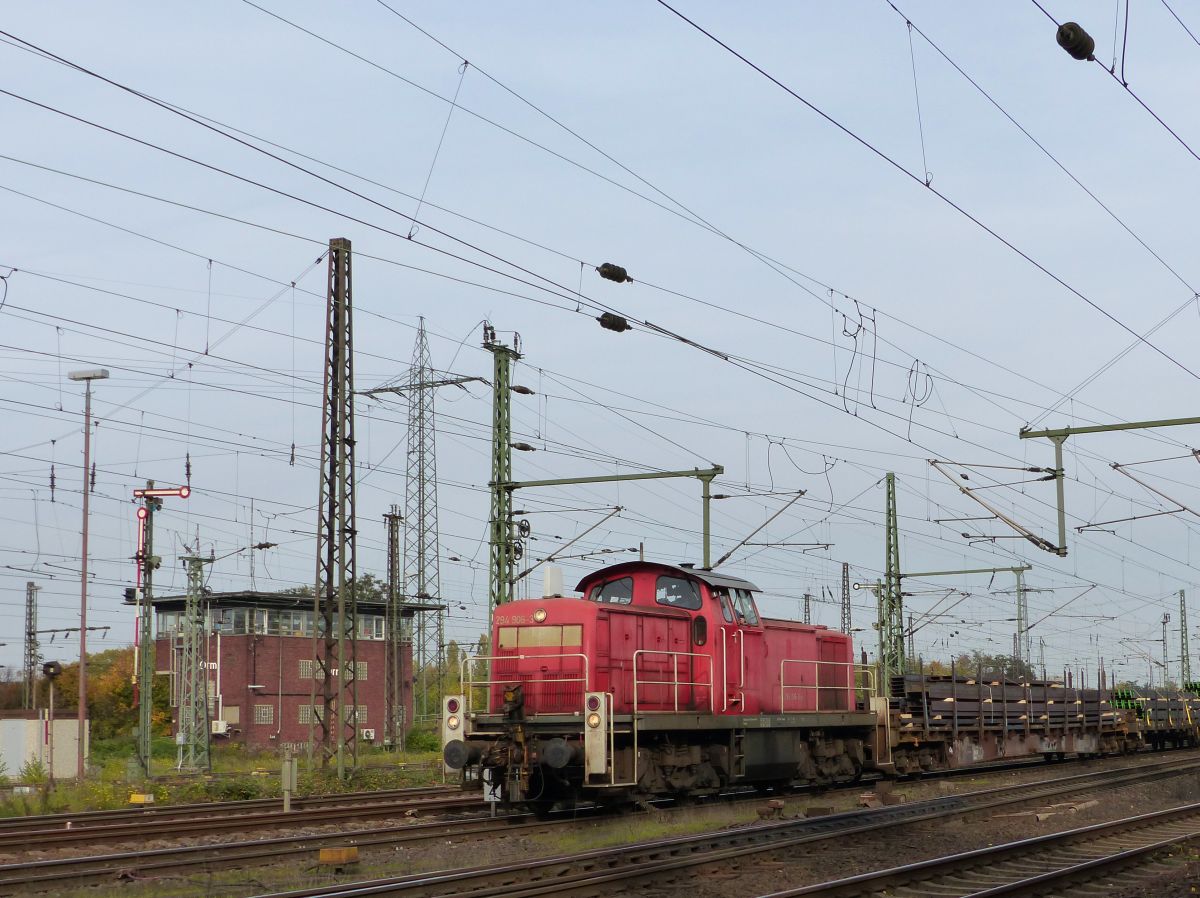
(111, 705)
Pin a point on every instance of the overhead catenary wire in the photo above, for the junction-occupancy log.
(941, 196)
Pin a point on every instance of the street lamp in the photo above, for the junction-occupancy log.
(87, 376)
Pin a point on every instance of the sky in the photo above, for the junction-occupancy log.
(903, 245)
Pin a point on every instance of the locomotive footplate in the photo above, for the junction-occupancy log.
(674, 753)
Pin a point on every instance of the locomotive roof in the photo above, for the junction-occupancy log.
(710, 577)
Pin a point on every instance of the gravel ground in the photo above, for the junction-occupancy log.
(765, 872)
(849, 857)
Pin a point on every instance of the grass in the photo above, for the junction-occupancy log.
(236, 774)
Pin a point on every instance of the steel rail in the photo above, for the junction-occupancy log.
(1058, 858)
(33, 823)
(98, 869)
(598, 869)
(46, 839)
(229, 855)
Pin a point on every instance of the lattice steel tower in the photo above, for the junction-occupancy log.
(333, 723)
(193, 734)
(33, 657)
(847, 623)
(891, 599)
(422, 580)
(500, 536)
(398, 634)
(1024, 642)
(1185, 655)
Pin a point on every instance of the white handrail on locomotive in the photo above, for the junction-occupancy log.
(674, 682)
(741, 699)
(470, 684)
(859, 673)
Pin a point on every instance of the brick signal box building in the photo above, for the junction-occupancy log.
(258, 653)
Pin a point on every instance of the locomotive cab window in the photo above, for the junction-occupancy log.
(744, 603)
(677, 592)
(726, 609)
(614, 592)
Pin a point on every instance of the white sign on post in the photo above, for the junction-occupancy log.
(491, 788)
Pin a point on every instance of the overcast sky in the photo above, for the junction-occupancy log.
(858, 323)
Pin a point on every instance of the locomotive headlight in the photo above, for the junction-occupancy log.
(452, 722)
(539, 615)
(593, 720)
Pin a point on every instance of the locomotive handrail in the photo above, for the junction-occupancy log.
(470, 684)
(851, 682)
(674, 682)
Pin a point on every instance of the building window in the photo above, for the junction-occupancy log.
(310, 714)
(355, 716)
(360, 670)
(370, 626)
(264, 713)
(306, 669)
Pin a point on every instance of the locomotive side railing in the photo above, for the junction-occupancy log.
(674, 682)
(808, 674)
(477, 689)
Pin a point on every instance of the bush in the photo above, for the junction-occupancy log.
(422, 740)
(34, 772)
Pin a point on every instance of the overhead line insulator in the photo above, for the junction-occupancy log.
(611, 272)
(1072, 38)
(613, 322)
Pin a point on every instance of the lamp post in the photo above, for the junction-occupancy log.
(87, 376)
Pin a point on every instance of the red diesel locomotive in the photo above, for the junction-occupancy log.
(665, 680)
(660, 680)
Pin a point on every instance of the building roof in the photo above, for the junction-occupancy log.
(282, 601)
(710, 577)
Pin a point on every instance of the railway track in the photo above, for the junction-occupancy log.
(51, 874)
(1051, 864)
(204, 821)
(601, 871)
(159, 814)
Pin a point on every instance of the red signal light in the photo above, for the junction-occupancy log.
(452, 705)
(142, 513)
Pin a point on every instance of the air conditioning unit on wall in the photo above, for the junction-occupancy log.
(367, 735)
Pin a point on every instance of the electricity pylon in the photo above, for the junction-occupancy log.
(421, 579)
